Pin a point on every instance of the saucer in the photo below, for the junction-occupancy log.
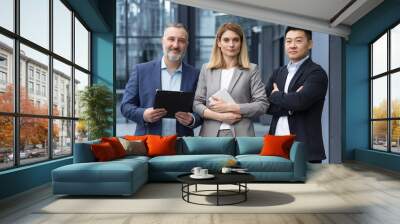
(208, 176)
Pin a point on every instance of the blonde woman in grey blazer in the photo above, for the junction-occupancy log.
(229, 71)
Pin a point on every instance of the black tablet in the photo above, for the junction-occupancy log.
(174, 101)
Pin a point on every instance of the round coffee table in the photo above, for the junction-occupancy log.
(238, 179)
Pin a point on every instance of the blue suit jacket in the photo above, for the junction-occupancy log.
(140, 92)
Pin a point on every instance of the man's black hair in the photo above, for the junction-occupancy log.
(307, 32)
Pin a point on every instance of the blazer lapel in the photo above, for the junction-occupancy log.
(235, 78)
(298, 73)
(215, 80)
(185, 84)
(282, 78)
(156, 79)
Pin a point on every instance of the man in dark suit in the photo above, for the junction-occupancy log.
(166, 73)
(297, 93)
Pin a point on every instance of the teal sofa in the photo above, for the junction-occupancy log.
(125, 176)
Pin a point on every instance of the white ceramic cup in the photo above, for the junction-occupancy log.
(196, 170)
(226, 170)
(203, 172)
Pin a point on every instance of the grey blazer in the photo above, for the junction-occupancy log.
(246, 88)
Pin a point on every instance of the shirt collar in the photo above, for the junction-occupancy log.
(164, 66)
(296, 65)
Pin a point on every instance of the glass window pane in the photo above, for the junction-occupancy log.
(203, 50)
(395, 95)
(62, 89)
(6, 142)
(395, 136)
(121, 16)
(379, 98)
(7, 14)
(148, 18)
(6, 74)
(81, 131)
(33, 139)
(62, 29)
(62, 138)
(34, 96)
(143, 50)
(35, 21)
(395, 47)
(81, 81)
(379, 55)
(379, 135)
(81, 45)
(122, 77)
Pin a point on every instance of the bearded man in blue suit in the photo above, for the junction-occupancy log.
(166, 73)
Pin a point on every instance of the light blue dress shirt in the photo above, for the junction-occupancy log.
(170, 82)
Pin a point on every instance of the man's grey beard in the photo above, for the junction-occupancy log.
(175, 58)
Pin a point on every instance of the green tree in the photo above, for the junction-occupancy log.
(97, 102)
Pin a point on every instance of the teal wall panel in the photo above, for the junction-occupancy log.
(24, 178)
(102, 58)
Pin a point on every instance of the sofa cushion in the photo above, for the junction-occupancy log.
(161, 145)
(97, 172)
(103, 151)
(257, 163)
(208, 145)
(185, 163)
(135, 147)
(249, 145)
(116, 145)
(277, 145)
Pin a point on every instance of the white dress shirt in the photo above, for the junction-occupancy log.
(226, 77)
(282, 127)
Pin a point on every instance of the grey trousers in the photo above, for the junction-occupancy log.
(225, 133)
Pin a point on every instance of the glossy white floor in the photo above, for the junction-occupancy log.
(377, 188)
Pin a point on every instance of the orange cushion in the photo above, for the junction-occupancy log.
(103, 151)
(161, 145)
(116, 145)
(277, 145)
(136, 137)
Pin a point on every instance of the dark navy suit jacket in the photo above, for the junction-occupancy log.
(303, 108)
(140, 92)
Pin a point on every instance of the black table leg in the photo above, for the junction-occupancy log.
(217, 194)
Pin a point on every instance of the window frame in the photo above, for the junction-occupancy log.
(388, 74)
(16, 115)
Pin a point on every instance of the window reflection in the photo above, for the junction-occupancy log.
(81, 81)
(35, 21)
(6, 74)
(36, 102)
(62, 138)
(62, 29)
(379, 135)
(395, 136)
(379, 98)
(395, 47)
(62, 89)
(81, 45)
(379, 56)
(6, 142)
(7, 14)
(34, 144)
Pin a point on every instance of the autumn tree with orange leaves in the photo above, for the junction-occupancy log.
(33, 131)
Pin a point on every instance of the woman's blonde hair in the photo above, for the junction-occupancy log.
(216, 58)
